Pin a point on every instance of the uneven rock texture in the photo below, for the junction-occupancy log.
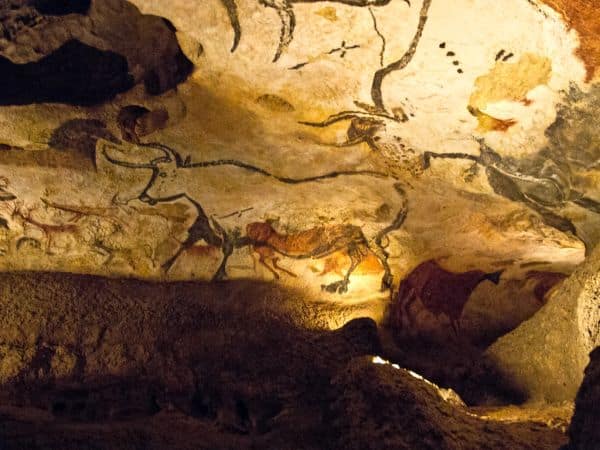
(380, 407)
(584, 431)
(579, 14)
(546, 355)
(103, 364)
(326, 146)
(273, 169)
(84, 52)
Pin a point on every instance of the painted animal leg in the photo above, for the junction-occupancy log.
(275, 261)
(357, 254)
(227, 249)
(167, 265)
(382, 255)
(262, 260)
(379, 250)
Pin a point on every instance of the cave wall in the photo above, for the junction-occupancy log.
(547, 355)
(326, 146)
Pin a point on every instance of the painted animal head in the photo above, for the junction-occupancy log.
(164, 162)
(259, 231)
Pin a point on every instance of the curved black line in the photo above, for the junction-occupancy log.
(286, 34)
(235, 163)
(347, 115)
(128, 165)
(234, 19)
(381, 36)
(380, 75)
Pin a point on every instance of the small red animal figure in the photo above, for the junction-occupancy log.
(440, 291)
(49, 230)
(545, 282)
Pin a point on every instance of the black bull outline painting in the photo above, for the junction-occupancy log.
(214, 187)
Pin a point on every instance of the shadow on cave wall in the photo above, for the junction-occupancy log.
(106, 363)
(86, 333)
(77, 72)
(61, 7)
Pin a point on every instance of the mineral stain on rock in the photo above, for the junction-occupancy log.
(510, 82)
(582, 15)
(275, 103)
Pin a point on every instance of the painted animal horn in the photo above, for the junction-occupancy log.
(103, 149)
(170, 154)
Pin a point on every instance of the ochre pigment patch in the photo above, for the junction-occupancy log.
(510, 82)
(582, 15)
(490, 123)
(329, 12)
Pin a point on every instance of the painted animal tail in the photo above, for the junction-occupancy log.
(494, 277)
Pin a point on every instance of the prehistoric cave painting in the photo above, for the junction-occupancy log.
(168, 168)
(285, 10)
(232, 12)
(439, 291)
(377, 110)
(5, 196)
(50, 230)
(503, 55)
(546, 180)
(452, 54)
(542, 182)
(575, 134)
(510, 82)
(338, 263)
(342, 50)
(316, 243)
(99, 235)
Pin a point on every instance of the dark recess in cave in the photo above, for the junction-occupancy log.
(75, 73)
(163, 78)
(62, 7)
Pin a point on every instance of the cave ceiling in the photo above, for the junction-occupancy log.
(331, 146)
